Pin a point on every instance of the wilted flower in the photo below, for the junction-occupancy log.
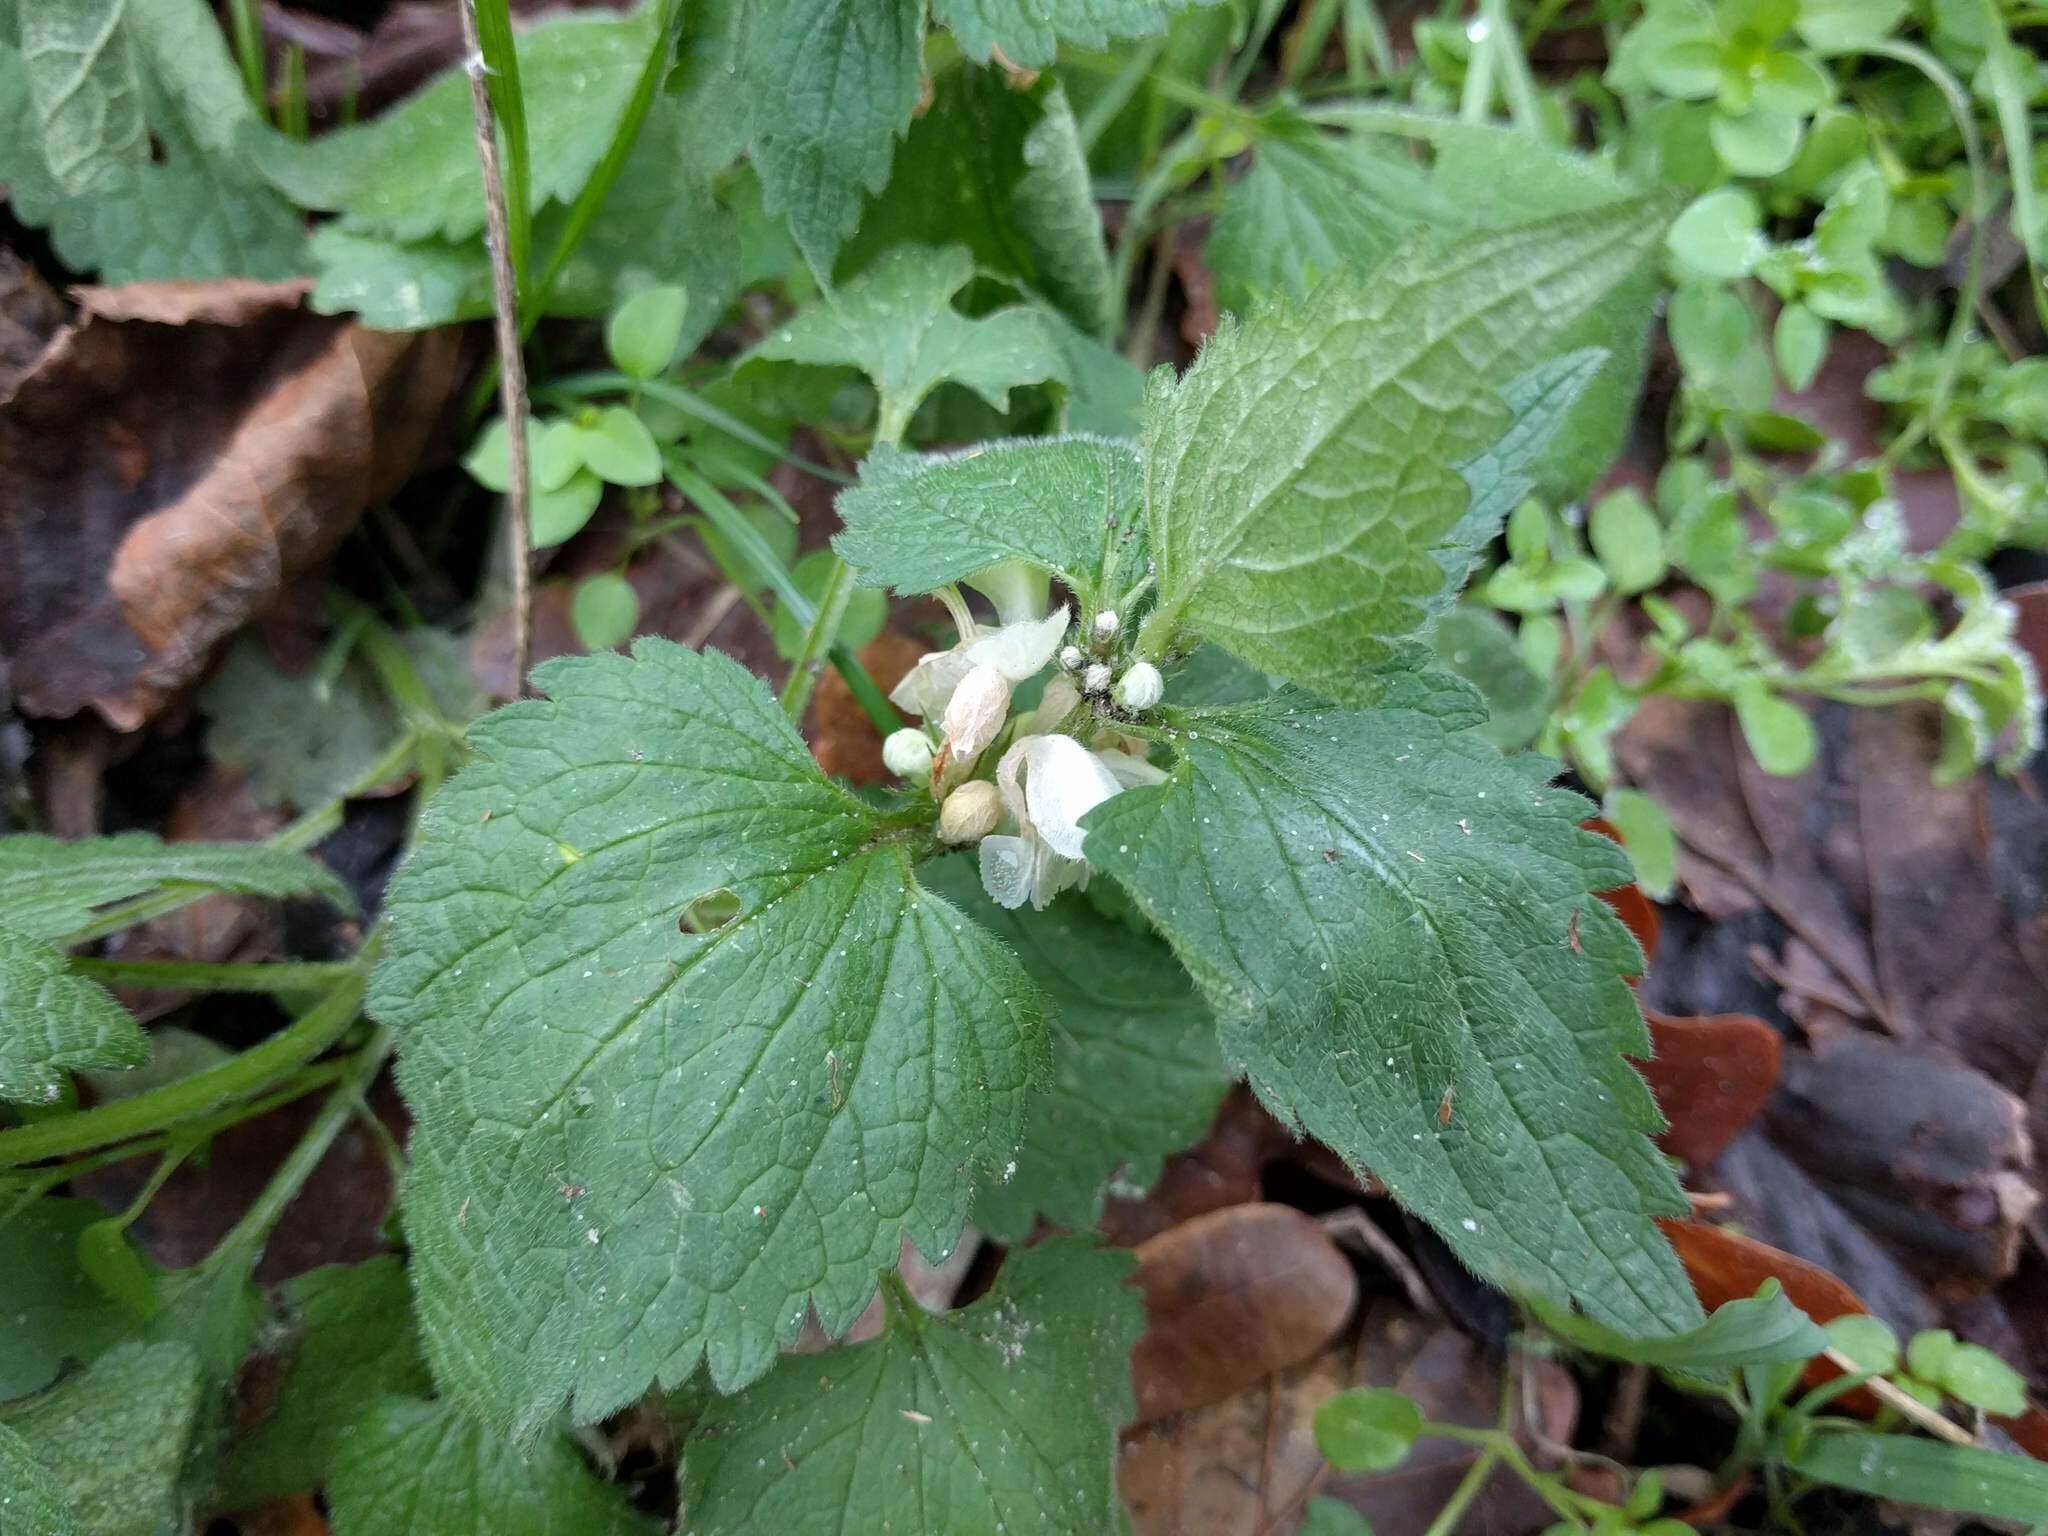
(1048, 784)
(975, 713)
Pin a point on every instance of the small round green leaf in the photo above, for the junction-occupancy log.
(1800, 342)
(644, 332)
(1760, 142)
(1367, 1429)
(1646, 834)
(557, 455)
(604, 611)
(1720, 234)
(1629, 540)
(560, 515)
(489, 460)
(1866, 1340)
(1777, 730)
(1329, 1517)
(618, 447)
(1974, 1375)
(1848, 26)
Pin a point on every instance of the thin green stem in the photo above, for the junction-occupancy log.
(820, 636)
(1516, 83)
(1151, 191)
(1117, 94)
(250, 1232)
(240, 1077)
(248, 36)
(281, 977)
(1468, 1488)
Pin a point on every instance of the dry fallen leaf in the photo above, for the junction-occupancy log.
(178, 453)
(1231, 1297)
(1712, 1074)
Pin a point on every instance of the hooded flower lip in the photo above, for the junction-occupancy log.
(1017, 651)
(1048, 784)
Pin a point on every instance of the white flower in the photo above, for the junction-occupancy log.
(907, 753)
(1096, 678)
(1048, 784)
(1018, 651)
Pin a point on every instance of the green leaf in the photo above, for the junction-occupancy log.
(633, 1145)
(896, 323)
(644, 332)
(1002, 172)
(1764, 1329)
(1628, 539)
(1776, 729)
(112, 1263)
(1029, 31)
(866, 611)
(1964, 1478)
(999, 1417)
(617, 447)
(1136, 1072)
(1720, 234)
(1969, 1373)
(411, 173)
(354, 1343)
(114, 1438)
(1367, 1429)
(53, 1022)
(559, 515)
(85, 89)
(53, 1313)
(32, 1500)
(1382, 911)
(1328, 1517)
(49, 889)
(1067, 504)
(1760, 142)
(833, 84)
(408, 1467)
(1799, 341)
(1474, 643)
(1848, 26)
(605, 611)
(1310, 205)
(1646, 834)
(198, 209)
(1301, 472)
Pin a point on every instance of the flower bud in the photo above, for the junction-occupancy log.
(975, 713)
(1106, 625)
(908, 753)
(1140, 687)
(1071, 658)
(1096, 678)
(971, 812)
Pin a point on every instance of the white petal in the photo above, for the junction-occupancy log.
(978, 710)
(927, 686)
(1055, 704)
(1020, 650)
(1063, 781)
(1006, 870)
(1128, 771)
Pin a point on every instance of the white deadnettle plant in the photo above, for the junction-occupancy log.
(1320, 876)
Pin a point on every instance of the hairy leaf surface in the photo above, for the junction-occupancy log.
(833, 83)
(1069, 504)
(1300, 473)
(638, 1142)
(1398, 930)
(31, 1499)
(1136, 1072)
(999, 1417)
(410, 1467)
(1029, 32)
(53, 1312)
(114, 1437)
(53, 1022)
(896, 323)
